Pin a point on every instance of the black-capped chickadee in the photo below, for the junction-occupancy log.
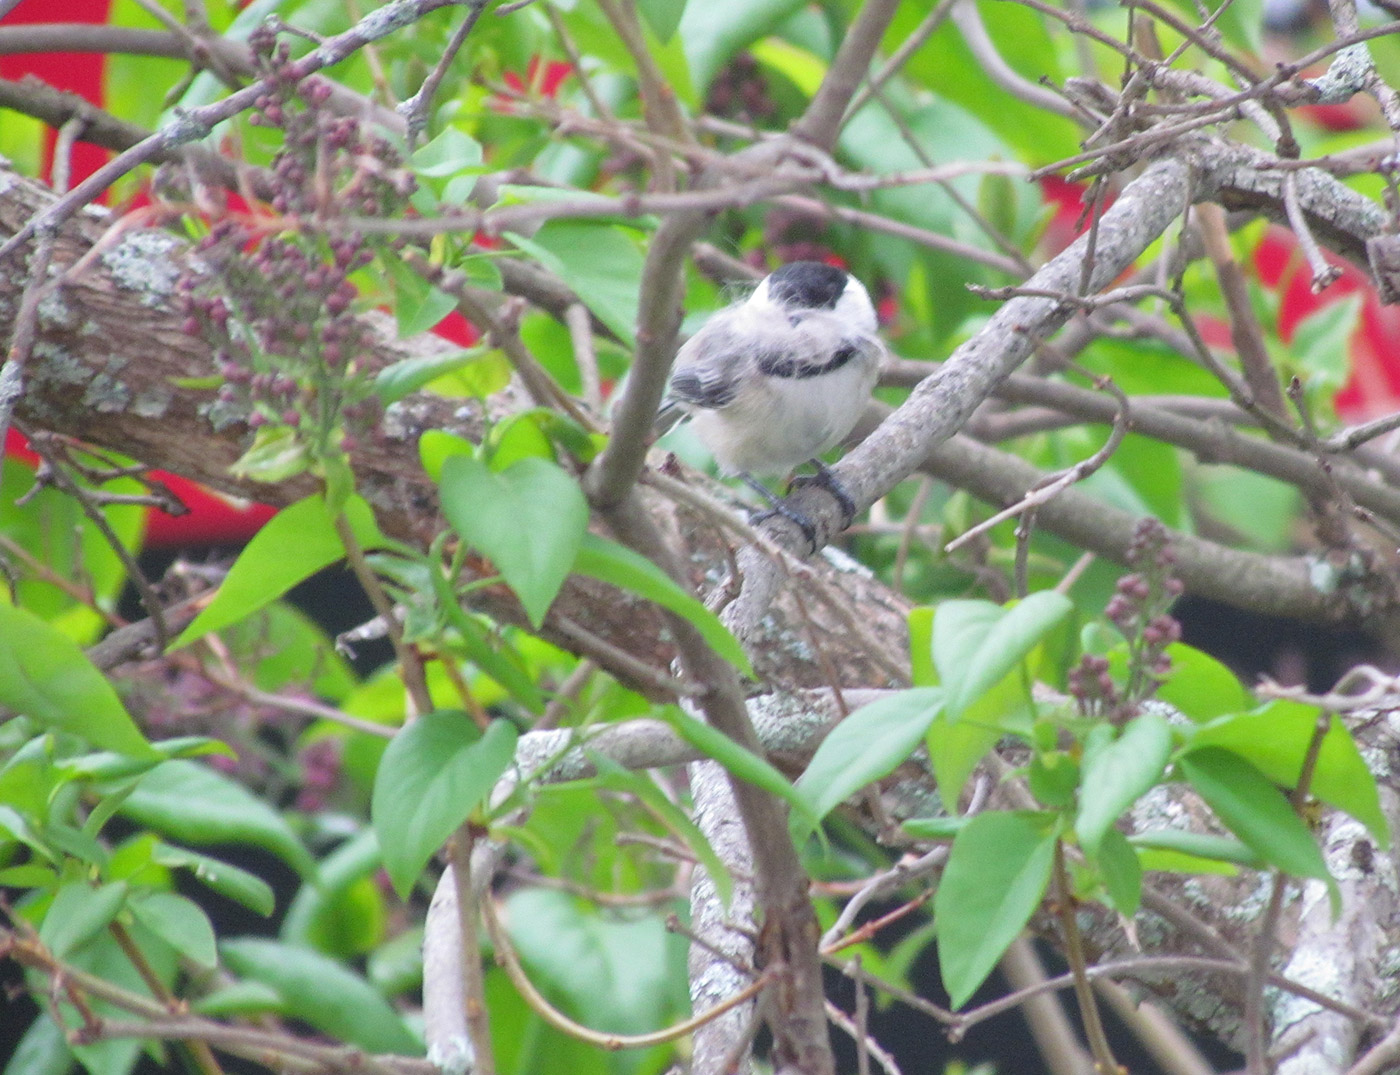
(772, 382)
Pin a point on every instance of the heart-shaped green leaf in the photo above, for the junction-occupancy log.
(529, 519)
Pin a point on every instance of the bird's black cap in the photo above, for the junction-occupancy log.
(810, 285)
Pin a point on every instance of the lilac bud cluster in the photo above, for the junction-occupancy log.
(1139, 610)
(741, 91)
(1093, 687)
(277, 301)
(320, 773)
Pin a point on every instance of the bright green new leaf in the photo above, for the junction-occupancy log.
(601, 262)
(1254, 810)
(179, 922)
(955, 747)
(867, 745)
(433, 775)
(294, 544)
(975, 643)
(1276, 738)
(1116, 776)
(394, 382)
(194, 804)
(742, 763)
(321, 992)
(1200, 686)
(46, 677)
(921, 669)
(1121, 872)
(996, 876)
(276, 454)
(437, 446)
(610, 562)
(529, 519)
(78, 913)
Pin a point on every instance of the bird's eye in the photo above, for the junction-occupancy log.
(794, 320)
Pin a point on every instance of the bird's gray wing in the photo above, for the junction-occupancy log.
(708, 366)
(800, 363)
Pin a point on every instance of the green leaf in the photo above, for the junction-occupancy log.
(975, 643)
(179, 922)
(275, 455)
(78, 913)
(1116, 776)
(1200, 686)
(996, 876)
(867, 745)
(610, 562)
(612, 973)
(418, 304)
(1197, 844)
(601, 262)
(323, 913)
(663, 16)
(740, 762)
(955, 747)
(433, 775)
(935, 828)
(437, 446)
(227, 880)
(194, 804)
(294, 544)
(1321, 344)
(449, 153)
(529, 519)
(1254, 810)
(804, 69)
(43, 1050)
(921, 669)
(712, 32)
(46, 677)
(1121, 873)
(394, 382)
(501, 665)
(1276, 738)
(611, 774)
(321, 992)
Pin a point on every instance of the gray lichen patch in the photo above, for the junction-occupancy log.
(56, 312)
(144, 262)
(153, 402)
(56, 367)
(106, 394)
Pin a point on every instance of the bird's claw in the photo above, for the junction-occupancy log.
(824, 478)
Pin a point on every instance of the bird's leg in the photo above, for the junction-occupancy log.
(832, 484)
(779, 508)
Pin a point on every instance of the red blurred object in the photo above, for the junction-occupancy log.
(547, 81)
(212, 519)
(1374, 387)
(77, 73)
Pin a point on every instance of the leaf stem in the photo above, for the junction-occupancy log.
(410, 665)
(1104, 1063)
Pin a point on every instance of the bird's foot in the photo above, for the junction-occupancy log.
(832, 484)
(780, 509)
